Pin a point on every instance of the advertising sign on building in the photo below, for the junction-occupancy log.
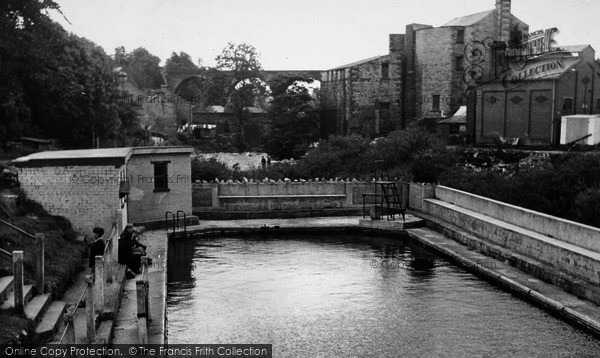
(533, 44)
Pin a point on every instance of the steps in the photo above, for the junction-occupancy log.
(49, 324)
(45, 313)
(6, 287)
(10, 301)
(572, 259)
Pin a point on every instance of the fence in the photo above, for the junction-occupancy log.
(18, 268)
(94, 291)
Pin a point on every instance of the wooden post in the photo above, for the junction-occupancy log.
(18, 281)
(120, 223)
(109, 262)
(90, 315)
(70, 318)
(39, 268)
(142, 311)
(146, 280)
(98, 286)
(115, 238)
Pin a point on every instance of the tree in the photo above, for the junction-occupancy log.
(295, 117)
(246, 85)
(142, 67)
(180, 63)
(21, 52)
(52, 83)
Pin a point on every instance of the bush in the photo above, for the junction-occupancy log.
(209, 170)
(586, 207)
(400, 147)
(339, 157)
(429, 166)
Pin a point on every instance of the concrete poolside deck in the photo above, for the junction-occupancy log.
(549, 297)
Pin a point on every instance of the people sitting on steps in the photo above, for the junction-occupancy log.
(131, 251)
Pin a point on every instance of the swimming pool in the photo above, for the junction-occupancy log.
(351, 296)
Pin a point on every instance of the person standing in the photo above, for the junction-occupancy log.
(263, 162)
(97, 247)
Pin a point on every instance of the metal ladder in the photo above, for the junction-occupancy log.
(394, 204)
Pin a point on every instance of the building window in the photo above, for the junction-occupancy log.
(568, 105)
(458, 64)
(435, 103)
(161, 176)
(460, 36)
(385, 71)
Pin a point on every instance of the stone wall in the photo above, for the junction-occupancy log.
(366, 101)
(255, 196)
(146, 203)
(551, 226)
(87, 196)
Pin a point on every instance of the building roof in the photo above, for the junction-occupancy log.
(92, 157)
(162, 150)
(76, 154)
(469, 19)
(460, 117)
(357, 63)
(574, 48)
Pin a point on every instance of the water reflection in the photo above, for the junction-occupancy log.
(329, 296)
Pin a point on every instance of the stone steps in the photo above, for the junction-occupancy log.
(10, 301)
(6, 287)
(46, 314)
(50, 322)
(572, 259)
(35, 309)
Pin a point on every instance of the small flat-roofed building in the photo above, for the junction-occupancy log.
(92, 187)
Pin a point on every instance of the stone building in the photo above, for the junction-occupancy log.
(91, 187)
(363, 97)
(425, 74)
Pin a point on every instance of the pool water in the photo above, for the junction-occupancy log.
(351, 296)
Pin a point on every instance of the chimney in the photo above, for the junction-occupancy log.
(396, 43)
(503, 17)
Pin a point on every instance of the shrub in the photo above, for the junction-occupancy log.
(338, 157)
(586, 207)
(209, 170)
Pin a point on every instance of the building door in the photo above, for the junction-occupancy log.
(471, 115)
(540, 125)
(492, 121)
(517, 121)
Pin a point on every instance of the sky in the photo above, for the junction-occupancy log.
(298, 34)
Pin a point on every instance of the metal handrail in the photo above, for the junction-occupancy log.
(23, 232)
(6, 253)
(167, 220)
(112, 232)
(184, 220)
(72, 313)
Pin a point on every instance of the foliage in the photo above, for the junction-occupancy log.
(339, 157)
(586, 207)
(563, 185)
(295, 118)
(209, 169)
(143, 68)
(401, 146)
(52, 83)
(180, 63)
(242, 61)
